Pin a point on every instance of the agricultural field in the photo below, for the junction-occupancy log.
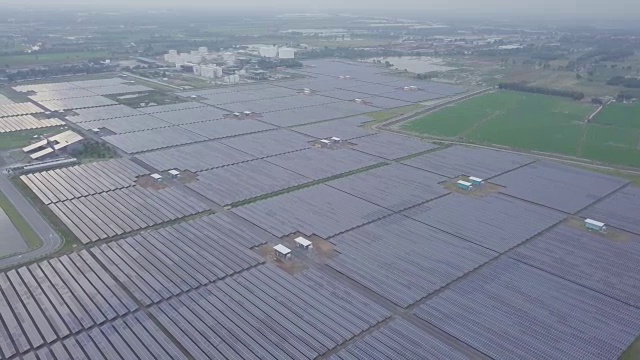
(620, 115)
(541, 123)
(46, 59)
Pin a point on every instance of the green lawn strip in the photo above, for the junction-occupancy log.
(633, 352)
(305, 185)
(382, 116)
(67, 235)
(36, 59)
(620, 115)
(612, 145)
(28, 234)
(19, 139)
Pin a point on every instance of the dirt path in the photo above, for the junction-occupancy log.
(583, 138)
(470, 130)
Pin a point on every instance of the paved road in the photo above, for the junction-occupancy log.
(50, 239)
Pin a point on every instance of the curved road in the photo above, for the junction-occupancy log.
(51, 241)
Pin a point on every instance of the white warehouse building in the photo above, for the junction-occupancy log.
(269, 51)
(286, 53)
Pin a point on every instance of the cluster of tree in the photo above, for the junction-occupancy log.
(265, 64)
(627, 95)
(601, 55)
(92, 149)
(428, 75)
(576, 95)
(59, 70)
(628, 82)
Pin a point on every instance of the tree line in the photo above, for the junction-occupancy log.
(51, 71)
(628, 82)
(576, 95)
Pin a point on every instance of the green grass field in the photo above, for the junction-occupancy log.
(534, 122)
(44, 59)
(620, 115)
(28, 234)
(19, 139)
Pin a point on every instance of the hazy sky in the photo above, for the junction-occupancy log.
(551, 7)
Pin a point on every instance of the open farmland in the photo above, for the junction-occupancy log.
(541, 123)
(620, 115)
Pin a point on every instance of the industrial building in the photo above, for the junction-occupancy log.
(595, 225)
(54, 145)
(286, 53)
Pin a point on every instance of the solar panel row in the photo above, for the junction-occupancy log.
(83, 180)
(243, 181)
(398, 340)
(159, 264)
(509, 310)
(264, 313)
(16, 109)
(118, 212)
(134, 336)
(49, 300)
(404, 260)
(26, 122)
(195, 157)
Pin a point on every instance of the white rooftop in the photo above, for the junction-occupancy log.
(174, 172)
(282, 249)
(302, 241)
(596, 223)
(325, 141)
(156, 176)
(461, 182)
(473, 178)
(335, 138)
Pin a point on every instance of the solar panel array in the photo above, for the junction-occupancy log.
(188, 116)
(16, 109)
(153, 139)
(195, 157)
(345, 129)
(323, 163)
(621, 210)
(319, 210)
(296, 101)
(171, 107)
(159, 264)
(102, 113)
(398, 339)
(82, 180)
(395, 187)
(264, 313)
(246, 94)
(392, 146)
(460, 160)
(119, 89)
(128, 124)
(230, 184)
(118, 212)
(61, 94)
(404, 260)
(509, 310)
(558, 186)
(269, 143)
(317, 113)
(587, 259)
(134, 336)
(47, 301)
(26, 122)
(76, 103)
(227, 127)
(496, 222)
